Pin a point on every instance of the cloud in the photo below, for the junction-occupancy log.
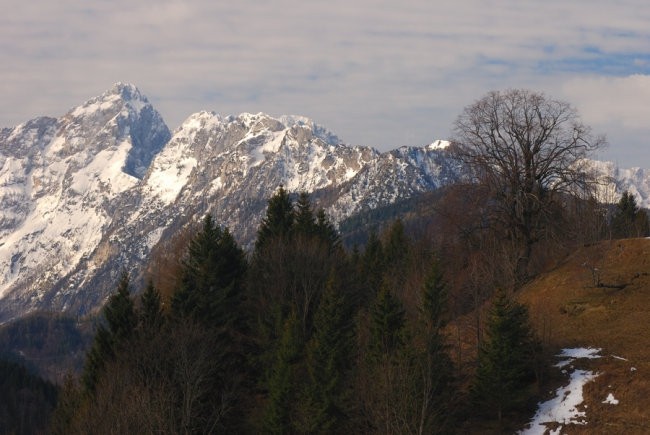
(612, 100)
(617, 106)
(376, 72)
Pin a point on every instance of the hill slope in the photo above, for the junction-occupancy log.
(599, 297)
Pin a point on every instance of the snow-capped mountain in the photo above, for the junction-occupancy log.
(615, 180)
(92, 192)
(60, 180)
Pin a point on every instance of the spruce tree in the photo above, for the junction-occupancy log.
(507, 358)
(278, 221)
(396, 247)
(438, 373)
(211, 294)
(326, 230)
(629, 220)
(120, 311)
(150, 314)
(304, 222)
(281, 382)
(120, 322)
(329, 358)
(372, 263)
(388, 320)
(212, 279)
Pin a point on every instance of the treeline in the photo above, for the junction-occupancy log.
(301, 336)
(628, 220)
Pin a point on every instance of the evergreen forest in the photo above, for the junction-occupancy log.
(407, 324)
(304, 335)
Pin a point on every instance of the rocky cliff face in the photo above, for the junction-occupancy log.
(92, 192)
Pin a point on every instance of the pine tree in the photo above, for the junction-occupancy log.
(304, 223)
(212, 279)
(120, 311)
(437, 373)
(329, 358)
(278, 221)
(629, 220)
(150, 314)
(372, 264)
(326, 231)
(397, 245)
(211, 294)
(506, 361)
(388, 320)
(280, 380)
(119, 314)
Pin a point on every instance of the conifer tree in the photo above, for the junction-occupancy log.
(396, 252)
(304, 223)
(373, 265)
(212, 279)
(281, 382)
(437, 373)
(119, 314)
(150, 313)
(211, 294)
(629, 220)
(506, 361)
(120, 311)
(389, 377)
(329, 357)
(397, 245)
(326, 230)
(278, 221)
(387, 325)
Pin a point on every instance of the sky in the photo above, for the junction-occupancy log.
(374, 72)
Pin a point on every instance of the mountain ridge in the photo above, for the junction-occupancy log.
(92, 192)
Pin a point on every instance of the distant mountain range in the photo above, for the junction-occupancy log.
(92, 192)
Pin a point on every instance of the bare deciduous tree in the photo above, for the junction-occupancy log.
(530, 151)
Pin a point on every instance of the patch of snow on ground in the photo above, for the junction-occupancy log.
(577, 353)
(580, 352)
(611, 400)
(563, 408)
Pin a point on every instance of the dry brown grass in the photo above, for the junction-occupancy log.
(600, 297)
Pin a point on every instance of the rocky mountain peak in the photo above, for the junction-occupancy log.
(127, 91)
(85, 195)
(317, 130)
(120, 115)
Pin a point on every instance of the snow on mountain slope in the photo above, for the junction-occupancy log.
(615, 180)
(93, 192)
(97, 217)
(231, 165)
(393, 176)
(59, 181)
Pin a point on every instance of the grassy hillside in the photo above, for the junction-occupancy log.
(600, 297)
